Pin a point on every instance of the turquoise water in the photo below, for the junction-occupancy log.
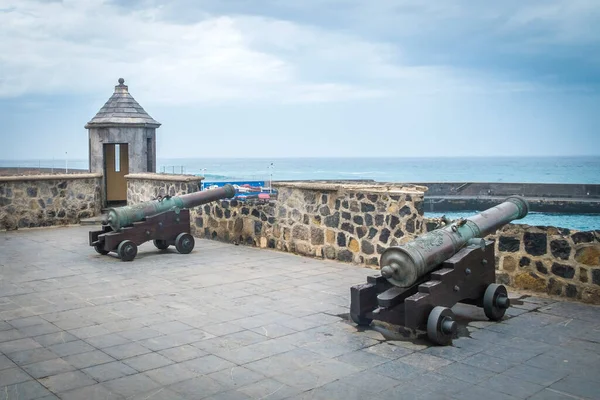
(459, 169)
(584, 222)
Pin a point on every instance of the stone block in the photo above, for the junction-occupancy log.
(588, 255)
(509, 263)
(564, 271)
(530, 281)
(560, 249)
(509, 244)
(535, 243)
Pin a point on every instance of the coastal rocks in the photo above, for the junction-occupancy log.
(345, 224)
(48, 200)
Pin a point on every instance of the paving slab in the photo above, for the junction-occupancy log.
(233, 322)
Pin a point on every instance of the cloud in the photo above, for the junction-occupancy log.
(186, 52)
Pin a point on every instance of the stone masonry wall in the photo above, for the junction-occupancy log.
(148, 186)
(555, 261)
(47, 200)
(349, 222)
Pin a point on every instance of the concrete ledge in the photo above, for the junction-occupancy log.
(353, 187)
(165, 177)
(60, 177)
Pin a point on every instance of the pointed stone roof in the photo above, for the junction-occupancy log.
(122, 109)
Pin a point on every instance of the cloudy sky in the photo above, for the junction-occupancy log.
(235, 78)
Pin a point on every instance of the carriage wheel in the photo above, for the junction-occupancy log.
(184, 243)
(441, 326)
(161, 244)
(127, 250)
(495, 302)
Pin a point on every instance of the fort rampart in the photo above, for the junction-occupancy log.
(347, 222)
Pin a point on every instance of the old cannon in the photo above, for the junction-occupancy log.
(422, 279)
(165, 220)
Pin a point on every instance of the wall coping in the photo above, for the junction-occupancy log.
(60, 177)
(353, 187)
(164, 177)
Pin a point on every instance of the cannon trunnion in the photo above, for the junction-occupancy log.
(165, 221)
(422, 280)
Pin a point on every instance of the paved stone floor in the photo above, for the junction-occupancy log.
(233, 322)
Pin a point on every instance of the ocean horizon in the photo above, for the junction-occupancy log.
(573, 170)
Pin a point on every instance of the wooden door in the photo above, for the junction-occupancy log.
(116, 166)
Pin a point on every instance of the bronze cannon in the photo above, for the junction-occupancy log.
(422, 279)
(166, 221)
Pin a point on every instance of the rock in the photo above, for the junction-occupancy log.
(329, 252)
(410, 225)
(324, 210)
(372, 233)
(530, 281)
(32, 191)
(509, 244)
(258, 228)
(353, 245)
(361, 231)
(346, 215)
(571, 291)
(596, 276)
(379, 218)
(219, 212)
(588, 255)
(560, 249)
(368, 220)
(582, 237)
(394, 222)
(509, 264)
(404, 211)
(333, 221)
(330, 236)
(344, 256)
(564, 271)
(358, 220)
(366, 207)
(300, 232)
(540, 267)
(380, 249)
(316, 236)
(524, 261)
(372, 197)
(348, 227)
(324, 199)
(398, 234)
(367, 247)
(583, 275)
(503, 279)
(341, 239)
(316, 220)
(535, 243)
(263, 242)
(554, 287)
(4, 201)
(384, 235)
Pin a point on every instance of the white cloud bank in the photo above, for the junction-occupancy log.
(81, 46)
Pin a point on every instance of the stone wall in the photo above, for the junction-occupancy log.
(148, 186)
(555, 261)
(47, 200)
(345, 222)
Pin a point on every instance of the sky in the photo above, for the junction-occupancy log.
(306, 78)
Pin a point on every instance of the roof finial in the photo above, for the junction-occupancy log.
(121, 81)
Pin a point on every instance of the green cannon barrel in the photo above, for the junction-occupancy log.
(120, 217)
(403, 265)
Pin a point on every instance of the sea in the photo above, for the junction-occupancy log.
(583, 169)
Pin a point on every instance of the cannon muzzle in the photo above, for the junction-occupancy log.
(403, 265)
(118, 218)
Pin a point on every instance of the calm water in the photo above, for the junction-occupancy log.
(494, 169)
